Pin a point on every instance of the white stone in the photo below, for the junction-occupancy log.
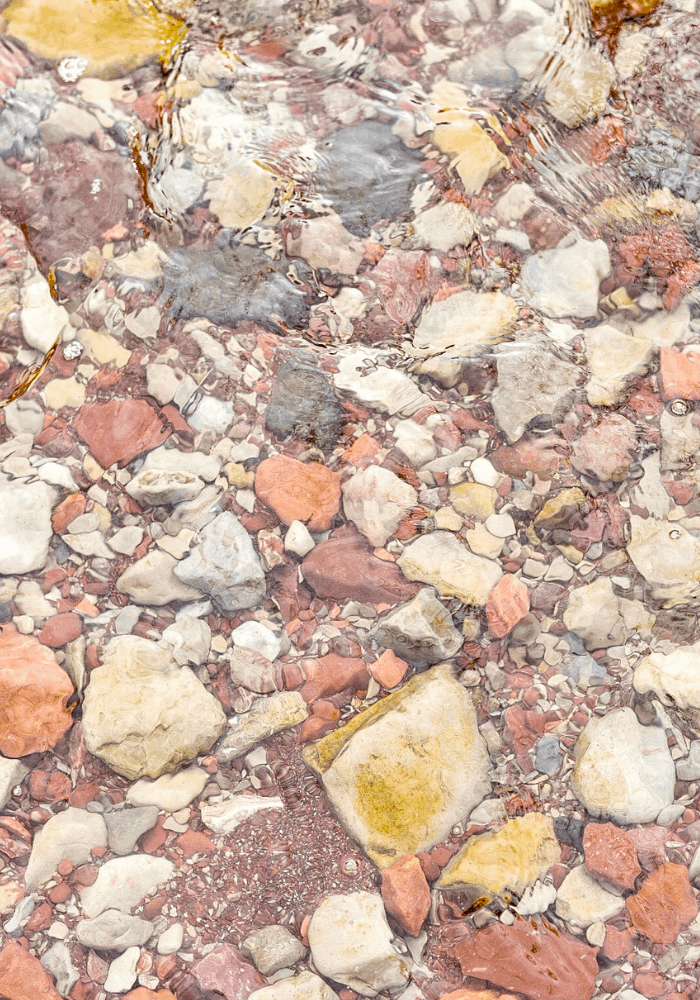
(305, 986)
(181, 188)
(673, 677)
(113, 931)
(153, 487)
(122, 971)
(257, 636)
(527, 51)
(482, 542)
(189, 639)
(170, 792)
(12, 772)
(582, 901)
(350, 942)
(68, 836)
(664, 329)
(212, 414)
(298, 539)
(162, 382)
(649, 492)
(42, 320)
(613, 358)
(225, 816)
(379, 387)
(536, 898)
(126, 540)
(58, 963)
(25, 526)
(152, 580)
(440, 560)
(415, 441)
(463, 324)
(444, 226)
(532, 382)
(484, 473)
(376, 501)
(500, 525)
(56, 474)
(170, 940)
(421, 629)
(24, 416)
(265, 717)
(123, 882)
(592, 612)
(193, 463)
(515, 203)
(624, 771)
(272, 948)
(564, 281)
(89, 543)
(668, 557)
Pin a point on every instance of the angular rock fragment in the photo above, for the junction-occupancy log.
(582, 901)
(610, 855)
(153, 487)
(303, 403)
(305, 986)
(439, 560)
(266, 717)
(403, 771)
(272, 948)
(613, 358)
(124, 828)
(406, 893)
(421, 630)
(143, 714)
(534, 388)
(664, 904)
(606, 451)
(171, 791)
(507, 604)
(225, 816)
(25, 525)
(299, 491)
(376, 500)
(119, 430)
(668, 557)
(152, 580)
(464, 324)
(123, 882)
(71, 836)
(363, 373)
(22, 976)
(224, 969)
(564, 281)
(113, 931)
(673, 678)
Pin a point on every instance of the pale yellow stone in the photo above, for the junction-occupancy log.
(513, 858)
(238, 476)
(145, 263)
(474, 500)
(464, 324)
(578, 91)
(401, 773)
(476, 157)
(93, 469)
(612, 358)
(483, 543)
(447, 519)
(558, 511)
(244, 195)
(104, 517)
(442, 561)
(103, 348)
(60, 392)
(115, 36)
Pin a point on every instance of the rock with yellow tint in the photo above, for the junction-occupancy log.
(513, 858)
(464, 324)
(103, 348)
(474, 500)
(578, 91)
(560, 509)
(60, 392)
(115, 36)
(613, 358)
(442, 561)
(476, 157)
(400, 774)
(243, 195)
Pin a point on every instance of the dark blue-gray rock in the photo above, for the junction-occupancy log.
(368, 173)
(19, 123)
(232, 282)
(548, 755)
(569, 831)
(303, 403)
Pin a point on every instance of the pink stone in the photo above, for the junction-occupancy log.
(299, 491)
(679, 374)
(650, 844)
(610, 854)
(507, 604)
(34, 692)
(664, 904)
(332, 674)
(406, 893)
(119, 430)
(225, 970)
(606, 450)
(389, 670)
(60, 629)
(22, 976)
(530, 958)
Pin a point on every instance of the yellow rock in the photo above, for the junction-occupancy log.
(515, 857)
(483, 543)
(243, 196)
(447, 519)
(115, 36)
(60, 392)
(559, 509)
(474, 500)
(476, 156)
(238, 476)
(103, 348)
(403, 772)
(464, 324)
(578, 91)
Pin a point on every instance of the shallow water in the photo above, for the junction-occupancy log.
(349, 517)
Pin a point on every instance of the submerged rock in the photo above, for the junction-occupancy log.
(421, 630)
(303, 403)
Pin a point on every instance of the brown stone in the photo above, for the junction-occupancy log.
(34, 692)
(332, 674)
(41, 918)
(299, 491)
(225, 970)
(344, 568)
(22, 976)
(191, 842)
(324, 717)
(59, 893)
(406, 893)
(664, 904)
(650, 844)
(119, 430)
(534, 959)
(143, 993)
(610, 854)
(507, 604)
(67, 511)
(60, 629)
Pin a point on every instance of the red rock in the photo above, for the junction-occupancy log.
(679, 374)
(143, 993)
(41, 918)
(155, 837)
(299, 491)
(344, 568)
(617, 943)
(471, 995)
(544, 455)
(332, 674)
(389, 670)
(524, 729)
(84, 792)
(406, 893)
(650, 984)
(323, 718)
(664, 904)
(119, 430)
(49, 786)
(403, 279)
(86, 874)
(34, 692)
(60, 629)
(15, 839)
(67, 511)
(610, 854)
(22, 976)
(191, 842)
(507, 604)
(10, 893)
(530, 958)
(59, 893)
(431, 869)
(225, 970)
(361, 451)
(65, 868)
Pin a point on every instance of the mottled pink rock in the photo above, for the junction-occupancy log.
(532, 958)
(15, 839)
(344, 568)
(299, 491)
(389, 670)
(22, 976)
(679, 374)
(403, 279)
(650, 844)
(331, 674)
(664, 904)
(34, 692)
(610, 854)
(225, 970)
(606, 450)
(406, 893)
(507, 604)
(119, 430)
